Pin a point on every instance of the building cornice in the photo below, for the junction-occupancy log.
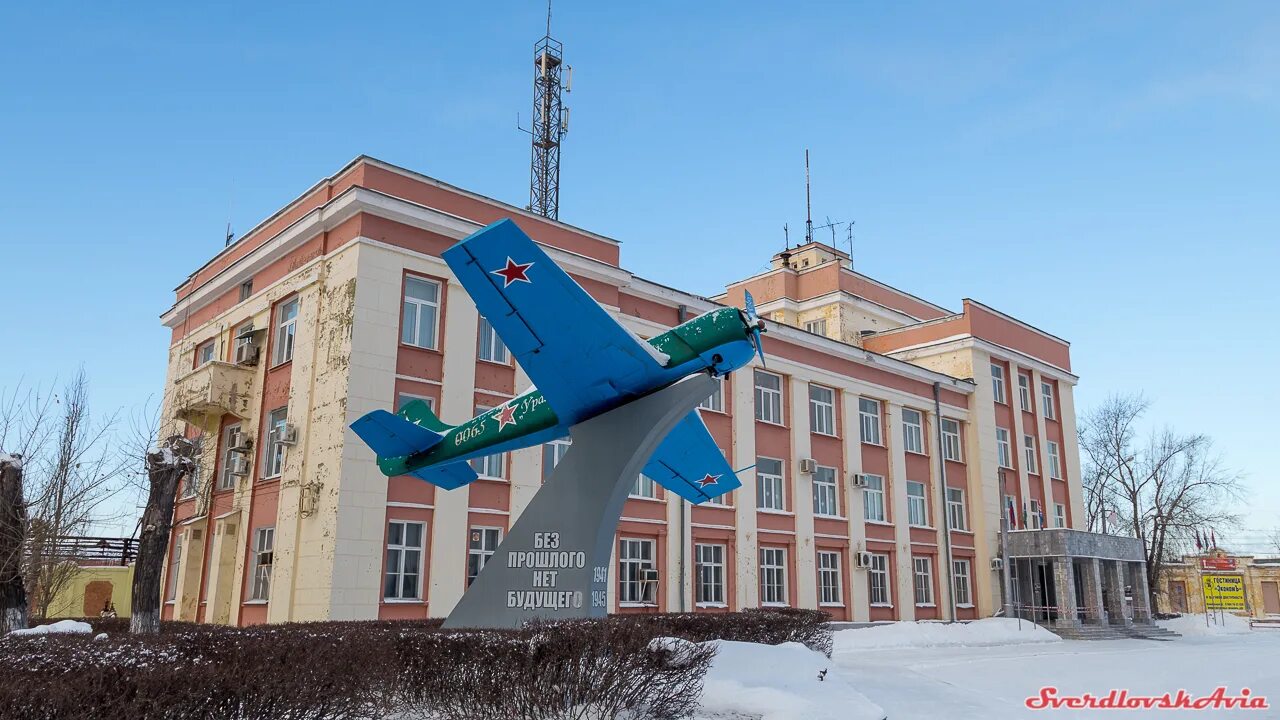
(966, 341)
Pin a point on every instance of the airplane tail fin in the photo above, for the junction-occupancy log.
(394, 435)
(418, 412)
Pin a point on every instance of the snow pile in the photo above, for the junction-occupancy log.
(778, 682)
(62, 627)
(979, 633)
(1226, 624)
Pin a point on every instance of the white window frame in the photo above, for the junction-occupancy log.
(962, 588)
(482, 554)
(951, 447)
(822, 413)
(1055, 461)
(1024, 392)
(243, 336)
(878, 589)
(956, 515)
(1004, 453)
(826, 492)
(773, 577)
(709, 571)
(490, 347)
(489, 467)
(922, 574)
(264, 542)
(873, 507)
(768, 400)
(1029, 454)
(175, 566)
(771, 488)
(817, 327)
(1059, 515)
(231, 434)
(869, 422)
(402, 569)
(273, 451)
(715, 402)
(286, 330)
(206, 352)
(1046, 399)
(410, 331)
(913, 431)
(917, 505)
(553, 452)
(1034, 519)
(631, 560)
(997, 383)
(403, 399)
(644, 487)
(830, 579)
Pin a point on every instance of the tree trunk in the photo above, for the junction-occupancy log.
(164, 468)
(13, 527)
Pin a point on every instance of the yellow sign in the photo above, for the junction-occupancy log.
(1224, 592)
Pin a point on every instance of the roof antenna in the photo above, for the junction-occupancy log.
(230, 236)
(849, 238)
(808, 207)
(786, 234)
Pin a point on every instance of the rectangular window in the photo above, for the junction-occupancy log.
(421, 311)
(716, 401)
(1055, 461)
(955, 509)
(1004, 454)
(1024, 392)
(481, 546)
(493, 467)
(912, 431)
(869, 420)
(822, 410)
(829, 584)
(1029, 453)
(286, 329)
(917, 508)
(951, 440)
(825, 496)
(231, 439)
(997, 382)
(403, 399)
(960, 578)
(878, 579)
(873, 497)
(769, 484)
(171, 589)
(644, 487)
(1036, 518)
(1059, 515)
(552, 453)
(243, 337)
(773, 576)
(273, 448)
(817, 327)
(923, 568)
(246, 289)
(491, 347)
(709, 565)
(264, 540)
(635, 580)
(1046, 399)
(206, 353)
(404, 560)
(768, 397)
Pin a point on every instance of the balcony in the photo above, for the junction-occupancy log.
(213, 389)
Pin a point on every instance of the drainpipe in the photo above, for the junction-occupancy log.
(946, 518)
(682, 314)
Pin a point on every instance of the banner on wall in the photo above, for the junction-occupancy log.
(1223, 592)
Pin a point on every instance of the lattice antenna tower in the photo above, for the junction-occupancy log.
(551, 78)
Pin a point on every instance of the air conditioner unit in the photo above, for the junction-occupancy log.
(286, 434)
(859, 480)
(238, 465)
(808, 466)
(997, 563)
(864, 559)
(247, 353)
(243, 444)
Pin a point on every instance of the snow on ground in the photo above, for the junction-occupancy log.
(988, 631)
(1226, 624)
(779, 682)
(61, 627)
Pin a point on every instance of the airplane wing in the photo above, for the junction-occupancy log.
(394, 436)
(689, 464)
(571, 348)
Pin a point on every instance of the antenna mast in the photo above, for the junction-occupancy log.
(808, 207)
(550, 123)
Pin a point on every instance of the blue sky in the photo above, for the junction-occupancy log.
(1104, 171)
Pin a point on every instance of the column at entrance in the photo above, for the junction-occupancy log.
(1094, 612)
(1113, 592)
(1064, 585)
(1141, 594)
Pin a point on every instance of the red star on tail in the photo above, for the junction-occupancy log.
(513, 272)
(506, 416)
(708, 479)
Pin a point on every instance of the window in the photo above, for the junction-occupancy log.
(421, 308)
(912, 431)
(817, 327)
(768, 397)
(773, 576)
(1046, 399)
(634, 558)
(997, 382)
(960, 579)
(491, 347)
(644, 487)
(243, 337)
(1024, 392)
(286, 328)
(171, 591)
(878, 579)
(923, 568)
(491, 466)
(1003, 454)
(273, 448)
(769, 484)
(480, 547)
(206, 353)
(264, 540)
(246, 289)
(917, 509)
(955, 509)
(709, 566)
(1059, 515)
(403, 399)
(1037, 520)
(404, 560)
(822, 410)
(1029, 453)
(231, 438)
(1055, 461)
(951, 440)
(552, 453)
(829, 578)
(873, 498)
(189, 485)
(869, 420)
(825, 498)
(716, 401)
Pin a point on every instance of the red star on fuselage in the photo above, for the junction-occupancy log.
(513, 272)
(506, 416)
(708, 479)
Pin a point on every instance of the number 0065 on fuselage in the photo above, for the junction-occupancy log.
(582, 363)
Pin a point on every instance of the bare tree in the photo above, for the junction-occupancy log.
(1162, 490)
(167, 463)
(1275, 539)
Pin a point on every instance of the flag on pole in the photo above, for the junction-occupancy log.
(1024, 514)
(1213, 539)
(1012, 512)
(1199, 543)
(1042, 520)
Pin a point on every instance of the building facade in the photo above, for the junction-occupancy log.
(883, 442)
(1239, 584)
